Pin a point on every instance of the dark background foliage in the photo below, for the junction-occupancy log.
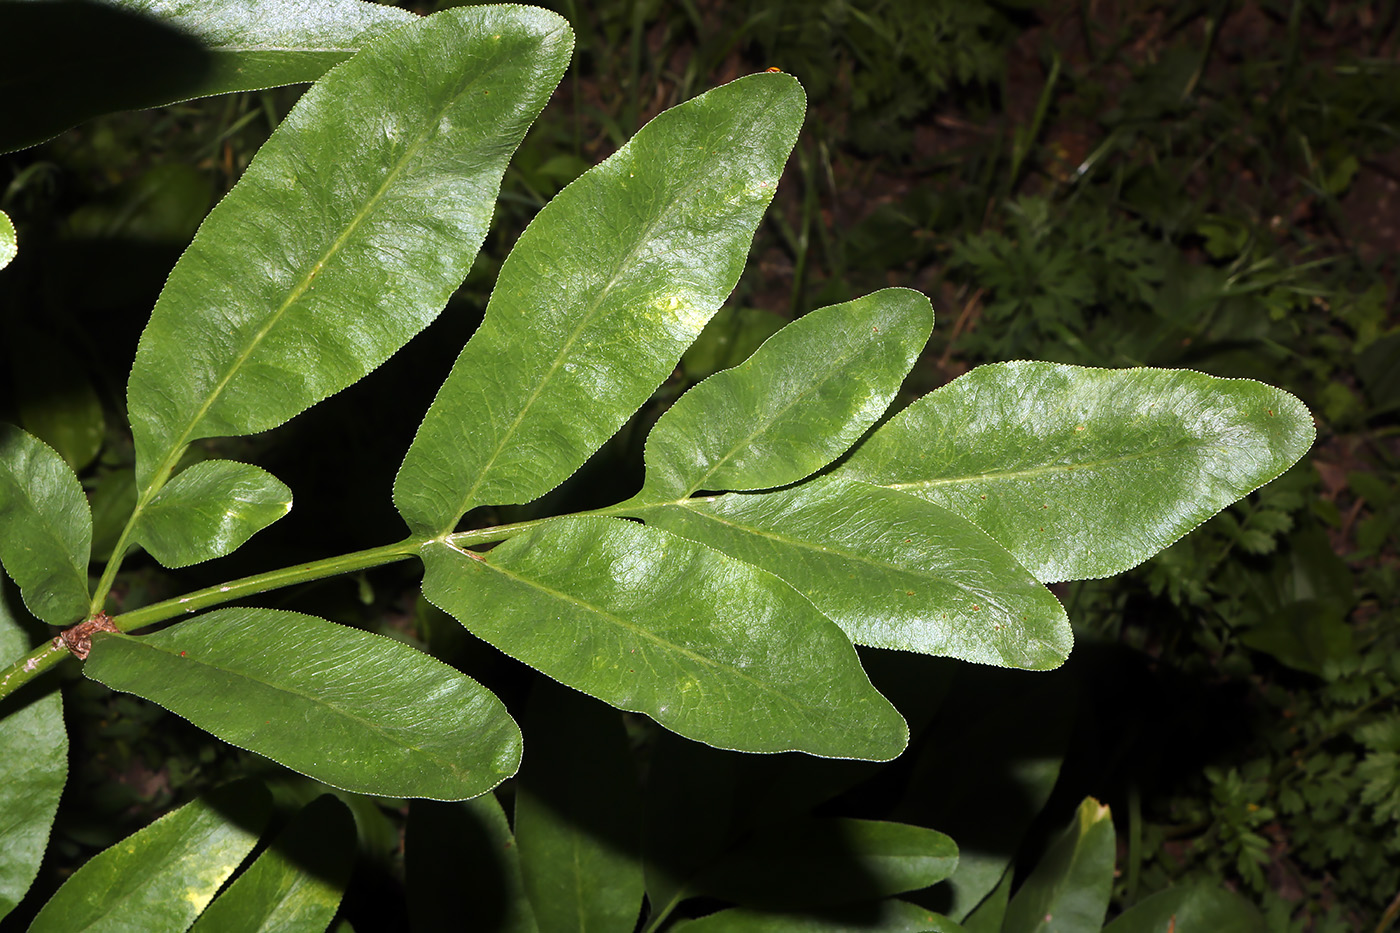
(1212, 185)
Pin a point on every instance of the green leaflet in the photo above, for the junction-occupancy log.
(209, 510)
(1069, 889)
(66, 62)
(9, 242)
(712, 648)
(32, 770)
(1086, 472)
(578, 815)
(295, 885)
(347, 233)
(887, 916)
(581, 328)
(159, 879)
(1200, 906)
(463, 869)
(322, 699)
(790, 409)
(808, 862)
(893, 571)
(45, 527)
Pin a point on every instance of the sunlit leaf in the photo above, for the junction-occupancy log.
(1086, 472)
(68, 61)
(893, 571)
(602, 293)
(708, 646)
(45, 527)
(323, 699)
(159, 879)
(348, 232)
(9, 242)
(794, 405)
(32, 769)
(209, 510)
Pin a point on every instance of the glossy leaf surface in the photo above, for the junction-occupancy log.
(583, 326)
(578, 815)
(888, 916)
(71, 61)
(712, 648)
(295, 885)
(1084, 473)
(159, 879)
(9, 243)
(33, 769)
(348, 232)
(463, 869)
(1069, 888)
(45, 527)
(1190, 907)
(893, 571)
(209, 510)
(354, 710)
(795, 405)
(815, 862)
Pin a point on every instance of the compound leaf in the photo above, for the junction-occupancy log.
(1082, 472)
(892, 570)
(323, 699)
(602, 293)
(348, 232)
(159, 879)
(790, 409)
(45, 527)
(295, 885)
(209, 510)
(70, 61)
(710, 647)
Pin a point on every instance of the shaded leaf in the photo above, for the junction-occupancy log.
(68, 61)
(818, 862)
(1190, 907)
(893, 571)
(159, 879)
(988, 916)
(45, 527)
(1086, 472)
(795, 405)
(54, 396)
(887, 916)
(712, 648)
(1069, 888)
(581, 329)
(578, 815)
(209, 510)
(348, 232)
(464, 869)
(322, 699)
(728, 339)
(295, 885)
(32, 769)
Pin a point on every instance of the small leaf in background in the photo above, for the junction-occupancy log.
(323, 699)
(819, 862)
(348, 232)
(54, 396)
(887, 916)
(45, 527)
(1069, 888)
(793, 406)
(112, 498)
(710, 647)
(463, 869)
(987, 916)
(210, 509)
(33, 768)
(1190, 907)
(728, 339)
(581, 329)
(1082, 473)
(893, 571)
(65, 62)
(9, 242)
(159, 879)
(295, 885)
(578, 815)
